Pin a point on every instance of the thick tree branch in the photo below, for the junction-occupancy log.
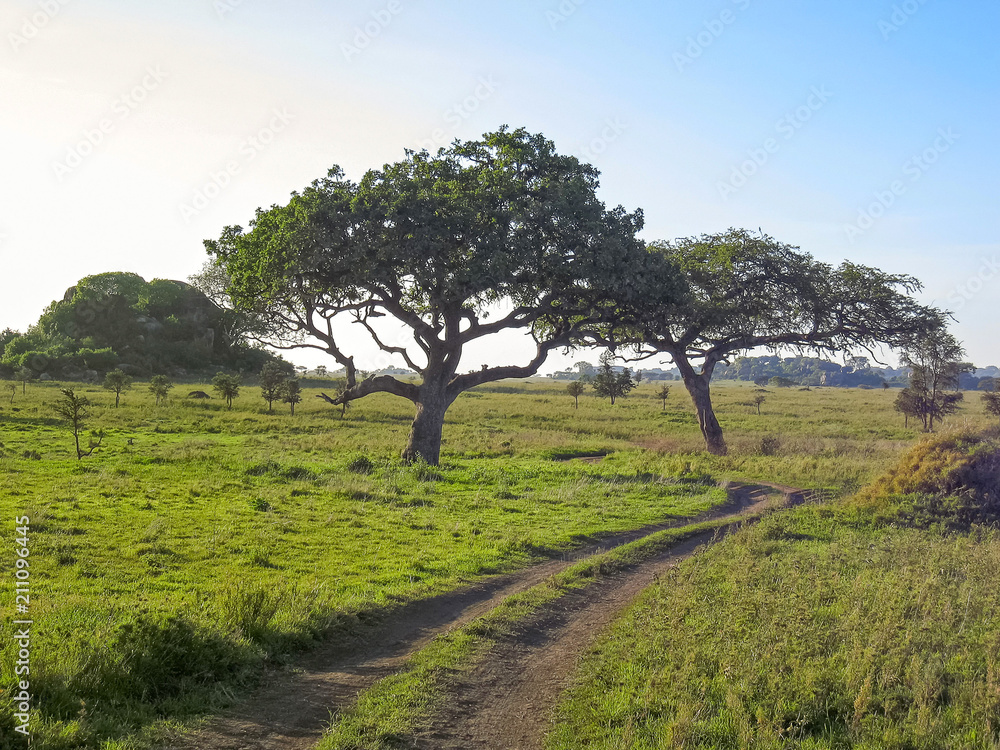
(376, 384)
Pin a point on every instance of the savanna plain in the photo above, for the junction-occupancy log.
(200, 546)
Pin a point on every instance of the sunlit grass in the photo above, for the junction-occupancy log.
(236, 537)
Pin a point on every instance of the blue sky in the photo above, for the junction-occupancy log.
(857, 130)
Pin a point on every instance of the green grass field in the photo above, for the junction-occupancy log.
(871, 623)
(814, 629)
(199, 543)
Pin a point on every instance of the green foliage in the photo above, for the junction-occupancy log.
(272, 380)
(780, 382)
(117, 382)
(576, 389)
(119, 320)
(436, 238)
(159, 386)
(663, 394)
(75, 409)
(610, 384)
(227, 386)
(992, 403)
(951, 479)
(291, 393)
(745, 290)
(934, 361)
(809, 371)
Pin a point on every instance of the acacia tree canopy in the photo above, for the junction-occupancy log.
(440, 243)
(746, 290)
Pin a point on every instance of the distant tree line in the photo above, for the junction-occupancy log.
(810, 371)
(856, 371)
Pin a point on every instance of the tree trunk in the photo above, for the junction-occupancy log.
(425, 434)
(698, 387)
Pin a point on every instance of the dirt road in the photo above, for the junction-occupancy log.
(505, 702)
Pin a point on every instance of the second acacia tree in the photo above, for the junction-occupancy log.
(483, 237)
(745, 290)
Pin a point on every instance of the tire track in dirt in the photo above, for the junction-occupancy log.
(507, 701)
(291, 710)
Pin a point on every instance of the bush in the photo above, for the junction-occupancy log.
(153, 658)
(770, 445)
(361, 465)
(952, 479)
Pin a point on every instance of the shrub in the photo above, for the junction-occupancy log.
(156, 659)
(952, 478)
(769, 445)
(361, 465)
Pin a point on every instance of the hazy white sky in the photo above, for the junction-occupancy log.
(866, 130)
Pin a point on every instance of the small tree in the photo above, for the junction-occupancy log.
(908, 404)
(291, 393)
(611, 384)
(24, 375)
(935, 366)
(575, 389)
(663, 394)
(159, 386)
(74, 409)
(117, 382)
(759, 399)
(272, 384)
(13, 390)
(227, 386)
(885, 385)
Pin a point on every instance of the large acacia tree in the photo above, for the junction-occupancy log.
(485, 236)
(746, 290)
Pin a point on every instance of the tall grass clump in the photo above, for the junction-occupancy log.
(953, 479)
